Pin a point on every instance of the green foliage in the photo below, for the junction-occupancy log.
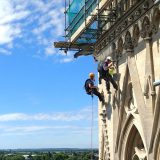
(60, 156)
(70, 155)
(13, 157)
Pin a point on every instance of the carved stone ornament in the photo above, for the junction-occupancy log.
(135, 43)
(130, 19)
(136, 35)
(124, 25)
(108, 39)
(143, 34)
(118, 31)
(113, 46)
(155, 20)
(148, 85)
(138, 13)
(120, 47)
(140, 154)
(154, 29)
(103, 43)
(146, 6)
(128, 44)
(112, 36)
(146, 28)
(129, 102)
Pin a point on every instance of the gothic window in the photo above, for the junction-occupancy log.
(135, 148)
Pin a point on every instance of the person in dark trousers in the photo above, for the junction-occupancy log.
(91, 88)
(108, 64)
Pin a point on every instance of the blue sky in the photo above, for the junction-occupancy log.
(42, 100)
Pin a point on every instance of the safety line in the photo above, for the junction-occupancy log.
(92, 129)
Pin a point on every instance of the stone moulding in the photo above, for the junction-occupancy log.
(128, 20)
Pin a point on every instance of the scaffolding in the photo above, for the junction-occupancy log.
(77, 13)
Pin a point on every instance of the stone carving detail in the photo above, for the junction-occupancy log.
(103, 116)
(140, 154)
(136, 35)
(120, 47)
(154, 28)
(133, 147)
(125, 24)
(146, 28)
(129, 102)
(103, 43)
(148, 85)
(128, 44)
(113, 47)
(146, 6)
(130, 18)
(149, 77)
(137, 13)
(118, 31)
(156, 20)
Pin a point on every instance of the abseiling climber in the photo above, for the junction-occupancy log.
(106, 70)
(92, 89)
(108, 67)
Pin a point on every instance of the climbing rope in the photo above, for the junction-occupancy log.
(92, 129)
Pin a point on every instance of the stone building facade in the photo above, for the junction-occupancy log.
(129, 32)
(129, 125)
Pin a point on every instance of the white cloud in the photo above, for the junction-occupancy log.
(49, 51)
(8, 15)
(36, 129)
(66, 60)
(6, 34)
(41, 117)
(59, 116)
(36, 22)
(50, 18)
(4, 51)
(26, 128)
(12, 17)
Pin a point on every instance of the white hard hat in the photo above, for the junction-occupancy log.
(108, 58)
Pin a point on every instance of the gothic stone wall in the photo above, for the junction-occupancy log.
(129, 125)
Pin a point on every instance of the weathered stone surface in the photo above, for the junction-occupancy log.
(132, 125)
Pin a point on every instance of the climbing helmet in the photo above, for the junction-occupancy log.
(91, 75)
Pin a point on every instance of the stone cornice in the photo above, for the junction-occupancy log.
(127, 20)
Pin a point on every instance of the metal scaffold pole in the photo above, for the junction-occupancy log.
(65, 12)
